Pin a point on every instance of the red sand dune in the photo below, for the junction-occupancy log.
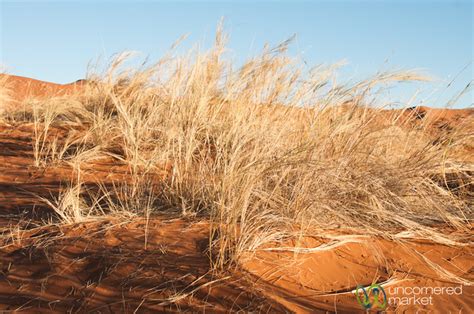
(112, 266)
(22, 87)
(440, 118)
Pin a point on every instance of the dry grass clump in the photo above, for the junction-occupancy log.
(263, 150)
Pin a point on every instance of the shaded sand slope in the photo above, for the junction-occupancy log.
(107, 267)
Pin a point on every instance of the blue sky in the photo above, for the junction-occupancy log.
(55, 40)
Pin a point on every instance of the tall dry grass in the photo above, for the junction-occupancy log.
(265, 151)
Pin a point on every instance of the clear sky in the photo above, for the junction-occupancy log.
(55, 40)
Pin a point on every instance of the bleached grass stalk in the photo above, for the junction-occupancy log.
(70, 206)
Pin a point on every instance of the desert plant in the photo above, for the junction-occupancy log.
(262, 150)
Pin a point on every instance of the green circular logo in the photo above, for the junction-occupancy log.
(371, 297)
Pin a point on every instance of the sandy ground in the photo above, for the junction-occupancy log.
(139, 266)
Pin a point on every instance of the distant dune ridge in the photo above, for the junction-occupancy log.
(23, 87)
